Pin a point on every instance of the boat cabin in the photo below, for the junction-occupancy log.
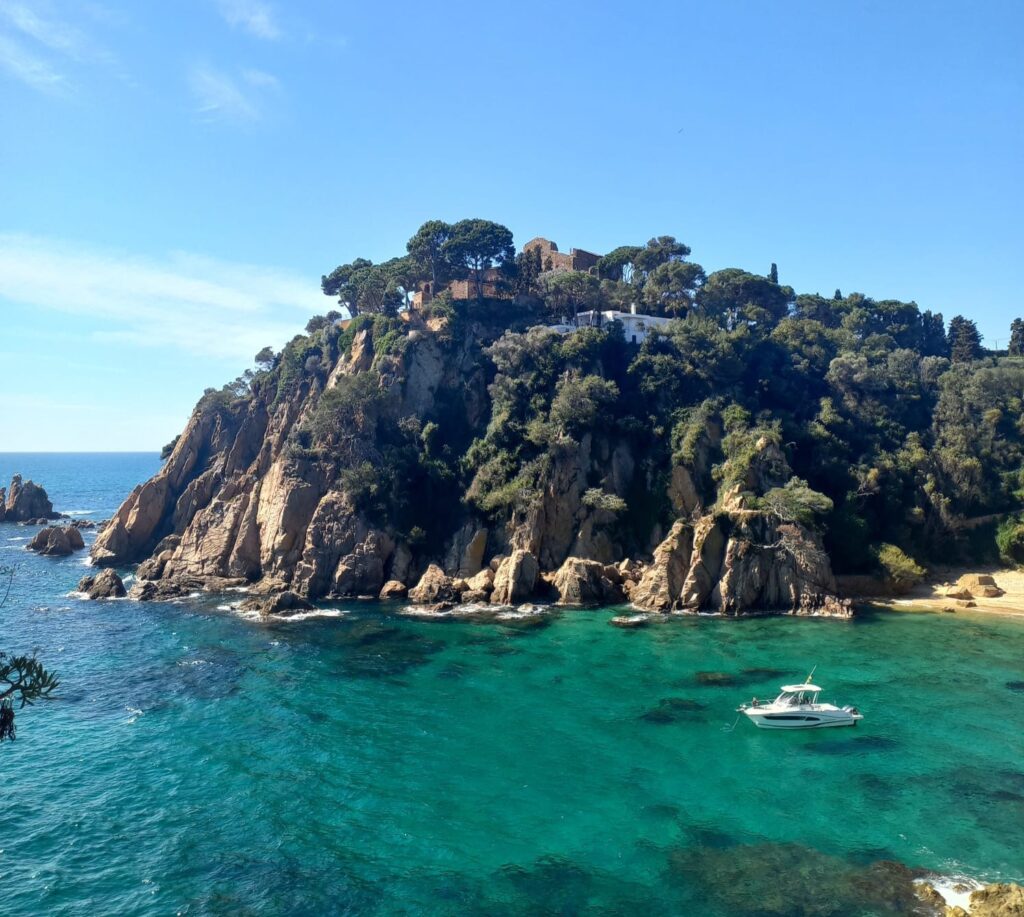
(794, 695)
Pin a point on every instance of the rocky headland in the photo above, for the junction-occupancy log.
(278, 485)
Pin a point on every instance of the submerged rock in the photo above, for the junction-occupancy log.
(104, 585)
(56, 541)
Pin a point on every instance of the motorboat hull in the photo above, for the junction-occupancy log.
(796, 718)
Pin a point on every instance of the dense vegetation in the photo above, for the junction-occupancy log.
(903, 440)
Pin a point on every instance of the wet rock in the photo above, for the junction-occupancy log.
(104, 585)
(283, 603)
(630, 621)
(393, 589)
(515, 579)
(434, 587)
(55, 541)
(1004, 899)
(587, 582)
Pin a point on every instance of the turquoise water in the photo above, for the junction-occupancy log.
(199, 763)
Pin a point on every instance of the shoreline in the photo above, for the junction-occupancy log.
(930, 595)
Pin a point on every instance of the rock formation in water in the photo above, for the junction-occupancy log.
(56, 541)
(377, 461)
(25, 501)
(104, 585)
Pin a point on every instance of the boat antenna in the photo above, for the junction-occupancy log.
(807, 680)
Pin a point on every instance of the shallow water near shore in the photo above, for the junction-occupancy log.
(373, 762)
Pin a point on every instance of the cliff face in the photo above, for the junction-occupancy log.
(287, 487)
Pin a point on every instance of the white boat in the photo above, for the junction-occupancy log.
(797, 707)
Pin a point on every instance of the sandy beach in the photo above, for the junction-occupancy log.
(931, 594)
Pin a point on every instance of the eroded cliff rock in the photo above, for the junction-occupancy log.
(25, 500)
(337, 474)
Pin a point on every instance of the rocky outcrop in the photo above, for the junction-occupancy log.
(281, 485)
(515, 578)
(479, 587)
(738, 563)
(434, 588)
(661, 585)
(587, 582)
(282, 603)
(974, 585)
(1005, 899)
(104, 585)
(25, 501)
(55, 541)
(393, 589)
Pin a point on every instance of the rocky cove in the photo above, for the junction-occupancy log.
(247, 497)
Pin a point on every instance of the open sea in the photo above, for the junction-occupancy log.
(368, 762)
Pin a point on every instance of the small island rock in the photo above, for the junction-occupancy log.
(25, 501)
(55, 541)
(104, 585)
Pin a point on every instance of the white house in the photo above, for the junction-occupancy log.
(635, 327)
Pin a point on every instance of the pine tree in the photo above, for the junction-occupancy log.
(773, 274)
(838, 294)
(964, 340)
(1016, 348)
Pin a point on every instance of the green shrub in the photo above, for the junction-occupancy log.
(902, 572)
(1010, 540)
(599, 499)
(796, 502)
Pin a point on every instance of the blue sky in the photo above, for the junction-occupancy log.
(175, 177)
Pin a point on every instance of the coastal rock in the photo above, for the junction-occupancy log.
(586, 582)
(104, 585)
(515, 578)
(26, 501)
(283, 603)
(393, 589)
(975, 585)
(466, 555)
(55, 541)
(433, 588)
(1005, 899)
(630, 621)
(661, 585)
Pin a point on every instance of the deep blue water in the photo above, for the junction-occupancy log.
(200, 763)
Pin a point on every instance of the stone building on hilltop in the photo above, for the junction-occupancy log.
(551, 259)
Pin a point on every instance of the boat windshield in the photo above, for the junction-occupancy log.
(795, 698)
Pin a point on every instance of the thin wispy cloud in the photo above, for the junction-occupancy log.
(253, 16)
(29, 68)
(221, 97)
(193, 303)
(37, 42)
(50, 31)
